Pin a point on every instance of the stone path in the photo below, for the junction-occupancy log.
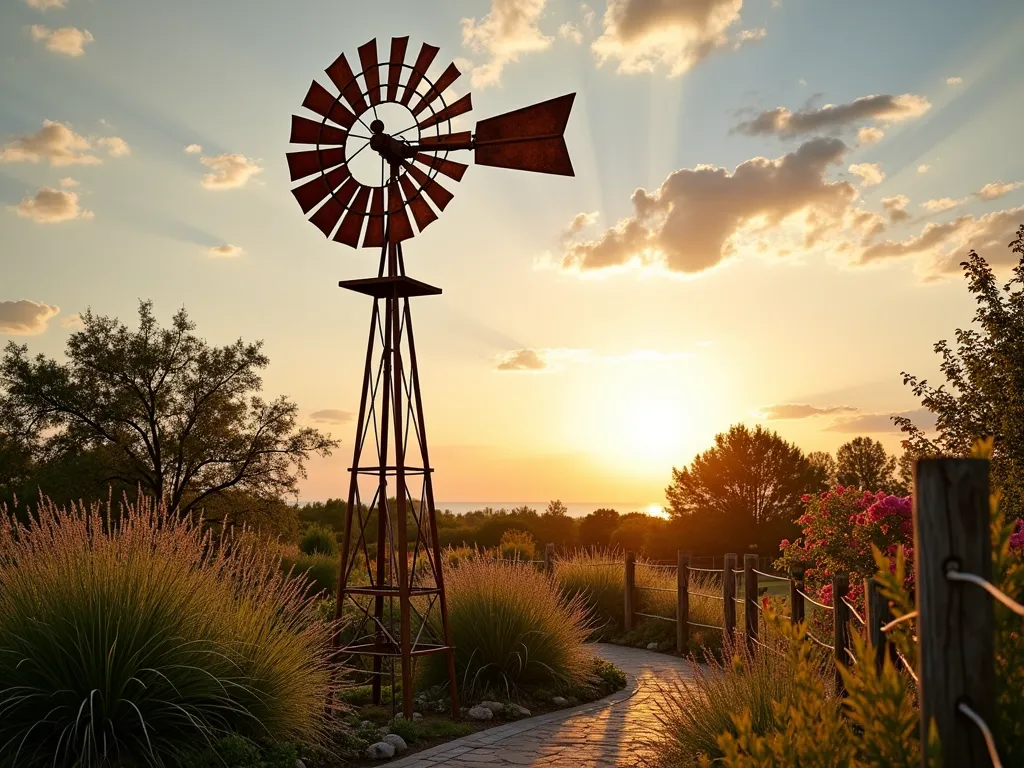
(602, 734)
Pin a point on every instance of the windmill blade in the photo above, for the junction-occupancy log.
(421, 210)
(306, 131)
(449, 168)
(399, 228)
(302, 164)
(449, 76)
(419, 70)
(460, 107)
(345, 81)
(371, 72)
(328, 214)
(374, 235)
(438, 195)
(395, 62)
(447, 142)
(528, 139)
(313, 191)
(319, 100)
(352, 224)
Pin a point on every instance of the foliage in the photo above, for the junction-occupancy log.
(318, 540)
(238, 752)
(319, 572)
(597, 527)
(751, 481)
(825, 466)
(517, 545)
(984, 381)
(863, 463)
(178, 417)
(149, 639)
(512, 629)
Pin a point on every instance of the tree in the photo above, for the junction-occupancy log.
(747, 485)
(556, 526)
(597, 527)
(164, 409)
(984, 381)
(863, 463)
(824, 466)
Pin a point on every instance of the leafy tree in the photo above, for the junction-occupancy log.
(556, 526)
(825, 466)
(597, 527)
(556, 509)
(984, 380)
(863, 463)
(633, 532)
(748, 485)
(167, 411)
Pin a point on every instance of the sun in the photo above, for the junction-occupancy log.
(652, 429)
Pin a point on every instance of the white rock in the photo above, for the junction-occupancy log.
(517, 710)
(366, 724)
(417, 716)
(559, 701)
(652, 646)
(397, 742)
(299, 763)
(494, 706)
(480, 713)
(382, 750)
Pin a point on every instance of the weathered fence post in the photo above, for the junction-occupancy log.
(630, 590)
(549, 559)
(796, 599)
(750, 617)
(729, 596)
(876, 616)
(683, 600)
(840, 626)
(955, 620)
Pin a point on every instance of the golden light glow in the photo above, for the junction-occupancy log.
(656, 510)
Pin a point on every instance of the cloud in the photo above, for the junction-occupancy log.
(69, 41)
(68, 182)
(941, 204)
(570, 31)
(73, 321)
(536, 360)
(997, 189)
(883, 108)
(867, 222)
(332, 416)
(193, 149)
(579, 222)
(923, 168)
(801, 411)
(896, 207)
(869, 135)
(646, 35)
(522, 360)
(50, 206)
(870, 173)
(45, 5)
(954, 80)
(24, 317)
(749, 36)
(873, 423)
(61, 146)
(942, 246)
(228, 171)
(503, 35)
(688, 224)
(225, 251)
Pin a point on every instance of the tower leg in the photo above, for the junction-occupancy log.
(383, 511)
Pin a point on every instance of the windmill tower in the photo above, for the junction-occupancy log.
(391, 472)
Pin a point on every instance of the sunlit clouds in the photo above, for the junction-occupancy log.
(507, 32)
(24, 317)
(45, 5)
(954, 81)
(226, 251)
(997, 189)
(332, 416)
(940, 204)
(52, 206)
(547, 360)
(923, 168)
(801, 411)
(228, 171)
(869, 135)
(881, 108)
(68, 41)
(193, 149)
(58, 144)
(870, 173)
(896, 207)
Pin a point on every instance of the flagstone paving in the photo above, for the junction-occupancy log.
(602, 734)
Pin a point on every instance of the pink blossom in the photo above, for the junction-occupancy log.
(784, 543)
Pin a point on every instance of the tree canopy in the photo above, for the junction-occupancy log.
(158, 408)
(864, 463)
(983, 392)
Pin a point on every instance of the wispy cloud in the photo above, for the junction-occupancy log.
(24, 317)
(540, 360)
(58, 144)
(332, 416)
(885, 108)
(801, 411)
(68, 41)
(229, 171)
(507, 32)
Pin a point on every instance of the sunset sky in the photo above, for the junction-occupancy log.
(771, 199)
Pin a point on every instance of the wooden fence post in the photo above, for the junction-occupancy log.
(955, 620)
(876, 616)
(630, 589)
(796, 600)
(750, 617)
(683, 600)
(729, 596)
(840, 626)
(549, 559)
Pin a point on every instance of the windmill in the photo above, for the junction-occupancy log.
(350, 203)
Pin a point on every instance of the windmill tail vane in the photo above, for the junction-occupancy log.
(390, 549)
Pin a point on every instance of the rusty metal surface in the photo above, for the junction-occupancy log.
(310, 194)
(352, 224)
(306, 131)
(449, 76)
(319, 100)
(371, 74)
(449, 168)
(345, 81)
(527, 139)
(456, 108)
(419, 70)
(395, 62)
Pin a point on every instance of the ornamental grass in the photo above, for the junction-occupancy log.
(514, 631)
(132, 637)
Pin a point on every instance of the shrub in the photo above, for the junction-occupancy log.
(517, 545)
(318, 540)
(318, 572)
(148, 640)
(512, 629)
